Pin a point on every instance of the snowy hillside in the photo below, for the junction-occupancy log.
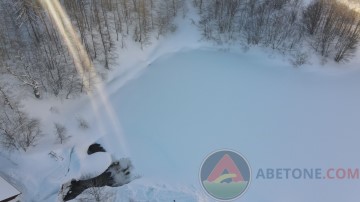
(166, 105)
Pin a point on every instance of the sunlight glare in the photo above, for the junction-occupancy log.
(84, 66)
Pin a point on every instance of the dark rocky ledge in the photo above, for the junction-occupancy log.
(94, 148)
(117, 174)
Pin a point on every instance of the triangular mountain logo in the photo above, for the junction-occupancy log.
(225, 175)
(226, 163)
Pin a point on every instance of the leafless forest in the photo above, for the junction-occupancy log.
(330, 28)
(35, 61)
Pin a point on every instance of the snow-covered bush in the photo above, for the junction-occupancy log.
(82, 123)
(299, 59)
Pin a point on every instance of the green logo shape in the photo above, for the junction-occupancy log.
(225, 175)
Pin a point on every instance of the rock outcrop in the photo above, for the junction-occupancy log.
(117, 174)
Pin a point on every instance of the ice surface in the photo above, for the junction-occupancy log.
(188, 104)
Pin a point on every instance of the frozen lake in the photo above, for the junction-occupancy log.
(189, 104)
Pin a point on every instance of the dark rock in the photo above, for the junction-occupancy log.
(117, 174)
(94, 148)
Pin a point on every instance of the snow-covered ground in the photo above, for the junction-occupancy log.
(188, 104)
(178, 100)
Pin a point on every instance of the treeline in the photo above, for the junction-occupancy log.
(34, 57)
(332, 29)
(33, 52)
(328, 26)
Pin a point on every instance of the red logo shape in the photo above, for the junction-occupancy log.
(226, 163)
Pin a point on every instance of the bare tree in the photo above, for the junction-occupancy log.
(27, 13)
(27, 78)
(61, 133)
(333, 29)
(346, 47)
(348, 37)
(312, 16)
(17, 130)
